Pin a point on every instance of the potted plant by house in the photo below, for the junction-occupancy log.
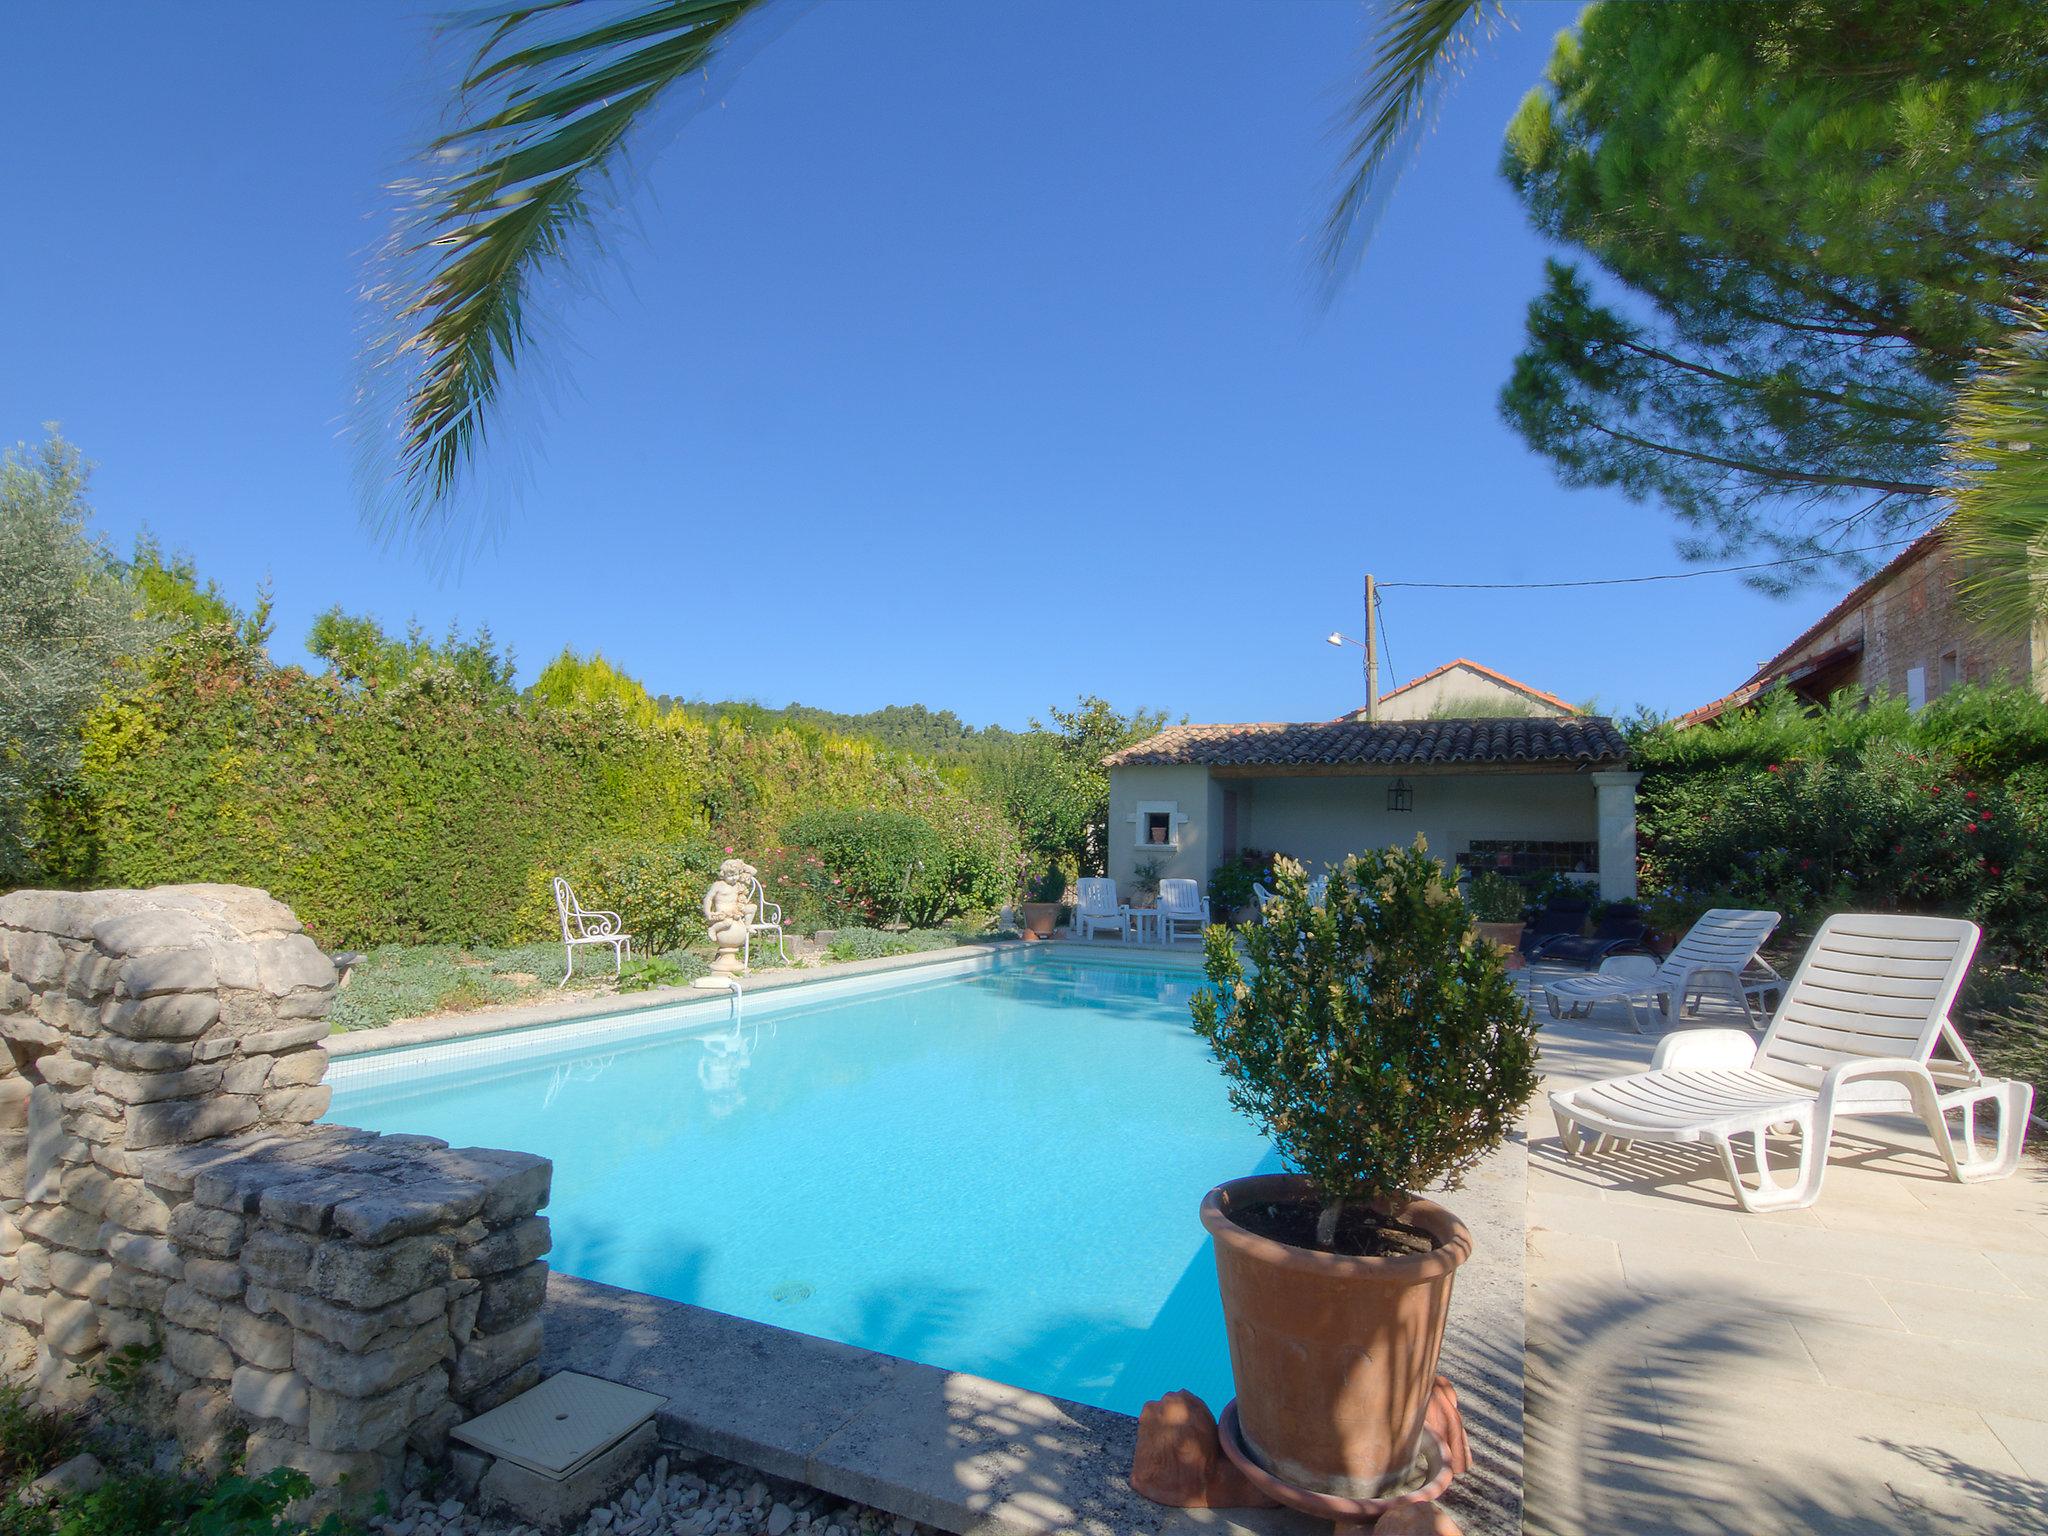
(1497, 907)
(1039, 913)
(1380, 1045)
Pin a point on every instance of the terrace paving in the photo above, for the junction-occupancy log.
(1878, 1362)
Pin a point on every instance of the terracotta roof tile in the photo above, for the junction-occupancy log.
(1384, 743)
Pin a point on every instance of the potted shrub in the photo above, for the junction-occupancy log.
(1496, 903)
(1039, 913)
(1382, 1048)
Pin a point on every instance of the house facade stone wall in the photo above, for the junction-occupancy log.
(335, 1296)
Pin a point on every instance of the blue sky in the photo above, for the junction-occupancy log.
(965, 355)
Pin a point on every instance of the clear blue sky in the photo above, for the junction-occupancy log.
(966, 357)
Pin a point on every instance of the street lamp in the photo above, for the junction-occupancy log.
(1371, 663)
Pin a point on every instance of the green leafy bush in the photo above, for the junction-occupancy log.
(430, 810)
(1378, 1044)
(652, 971)
(657, 888)
(918, 867)
(1493, 897)
(1879, 827)
(1230, 886)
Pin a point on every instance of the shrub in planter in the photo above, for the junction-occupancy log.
(1230, 886)
(1380, 1045)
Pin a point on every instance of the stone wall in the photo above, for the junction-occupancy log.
(339, 1297)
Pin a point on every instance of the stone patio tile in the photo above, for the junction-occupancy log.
(1935, 1223)
(1571, 1258)
(1884, 1256)
(2018, 1323)
(1929, 1371)
(1630, 1222)
(2029, 1271)
(1786, 1289)
(2027, 1439)
(1799, 1458)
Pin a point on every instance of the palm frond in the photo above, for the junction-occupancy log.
(1998, 450)
(509, 197)
(1418, 45)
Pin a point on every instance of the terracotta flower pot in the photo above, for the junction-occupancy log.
(1333, 1356)
(1039, 918)
(1507, 936)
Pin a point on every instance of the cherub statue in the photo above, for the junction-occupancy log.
(728, 910)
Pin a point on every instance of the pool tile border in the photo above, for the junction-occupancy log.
(442, 1028)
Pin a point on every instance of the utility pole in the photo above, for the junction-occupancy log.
(1372, 652)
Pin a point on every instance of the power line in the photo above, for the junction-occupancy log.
(1629, 581)
(1386, 651)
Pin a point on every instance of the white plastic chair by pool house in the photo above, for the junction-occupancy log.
(1096, 909)
(1181, 905)
(586, 925)
(1855, 1035)
(1718, 951)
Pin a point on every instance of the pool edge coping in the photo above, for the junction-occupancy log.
(441, 1029)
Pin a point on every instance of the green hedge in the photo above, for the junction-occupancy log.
(428, 812)
(1872, 809)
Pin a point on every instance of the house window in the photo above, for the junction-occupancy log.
(1159, 824)
(1518, 856)
(1951, 670)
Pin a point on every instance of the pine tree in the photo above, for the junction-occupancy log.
(1810, 217)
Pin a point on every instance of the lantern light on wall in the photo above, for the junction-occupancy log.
(1400, 797)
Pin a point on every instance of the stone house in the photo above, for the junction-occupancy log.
(1519, 795)
(1466, 689)
(1902, 632)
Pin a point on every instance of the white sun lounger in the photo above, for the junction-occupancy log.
(1855, 1035)
(1719, 950)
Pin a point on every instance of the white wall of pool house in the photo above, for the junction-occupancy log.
(1320, 817)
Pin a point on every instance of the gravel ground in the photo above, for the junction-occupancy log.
(682, 1494)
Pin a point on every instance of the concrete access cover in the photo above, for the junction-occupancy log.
(558, 1427)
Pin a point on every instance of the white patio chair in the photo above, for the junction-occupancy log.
(1855, 1035)
(1096, 908)
(767, 919)
(1181, 902)
(583, 925)
(1720, 950)
(1260, 896)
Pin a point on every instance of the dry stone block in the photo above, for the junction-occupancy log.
(191, 1308)
(60, 1069)
(292, 964)
(257, 1341)
(374, 1277)
(66, 1229)
(248, 1075)
(512, 1247)
(20, 1306)
(78, 1274)
(148, 929)
(138, 1292)
(372, 1372)
(298, 1069)
(137, 1055)
(346, 1327)
(14, 1094)
(504, 1389)
(493, 1356)
(154, 1125)
(351, 1479)
(408, 1210)
(286, 1037)
(297, 1106)
(70, 1327)
(148, 1087)
(512, 1297)
(338, 1423)
(197, 1354)
(281, 1395)
(277, 1259)
(215, 1233)
(176, 970)
(152, 1255)
(221, 1279)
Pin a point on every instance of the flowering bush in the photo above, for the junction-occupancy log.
(1884, 828)
(1230, 886)
(922, 867)
(656, 888)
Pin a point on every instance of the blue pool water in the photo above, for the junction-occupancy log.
(995, 1172)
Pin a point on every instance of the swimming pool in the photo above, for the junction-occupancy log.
(988, 1166)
